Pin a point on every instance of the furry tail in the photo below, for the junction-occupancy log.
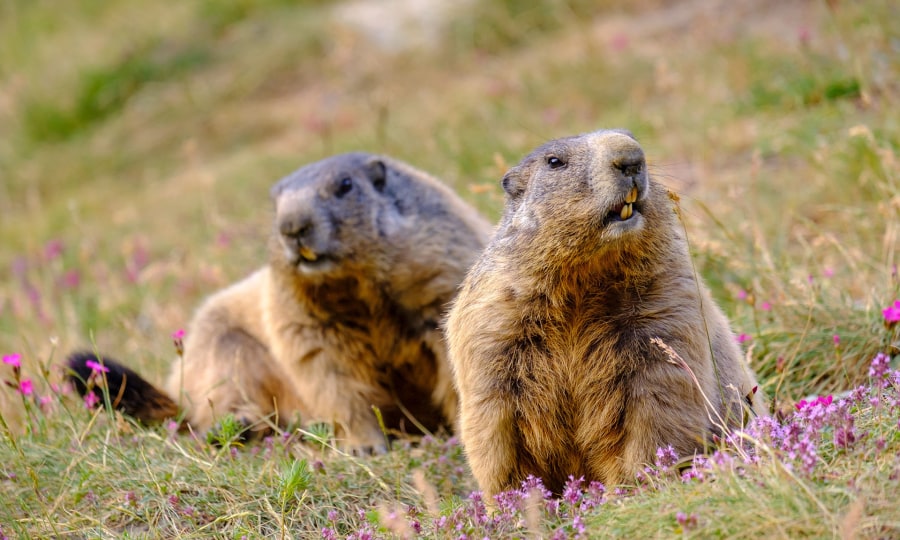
(128, 391)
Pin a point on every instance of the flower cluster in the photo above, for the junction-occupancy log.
(816, 424)
(818, 429)
(529, 509)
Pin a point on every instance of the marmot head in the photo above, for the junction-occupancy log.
(334, 213)
(579, 196)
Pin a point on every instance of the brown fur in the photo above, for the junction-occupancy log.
(550, 335)
(366, 253)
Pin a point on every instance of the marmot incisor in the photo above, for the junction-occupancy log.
(366, 253)
(550, 335)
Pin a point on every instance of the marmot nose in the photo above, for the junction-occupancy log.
(629, 160)
(296, 229)
(630, 165)
(624, 157)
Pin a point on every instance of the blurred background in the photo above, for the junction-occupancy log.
(138, 141)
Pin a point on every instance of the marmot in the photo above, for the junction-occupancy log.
(551, 334)
(365, 255)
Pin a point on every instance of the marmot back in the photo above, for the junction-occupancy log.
(553, 337)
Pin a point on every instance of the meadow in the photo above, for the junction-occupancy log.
(138, 141)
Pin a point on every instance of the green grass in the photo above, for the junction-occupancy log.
(138, 142)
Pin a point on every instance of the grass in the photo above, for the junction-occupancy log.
(138, 142)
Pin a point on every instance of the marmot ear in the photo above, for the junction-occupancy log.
(512, 183)
(377, 171)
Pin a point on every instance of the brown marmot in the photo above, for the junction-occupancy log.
(551, 334)
(365, 255)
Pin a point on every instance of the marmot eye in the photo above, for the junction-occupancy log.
(344, 187)
(554, 162)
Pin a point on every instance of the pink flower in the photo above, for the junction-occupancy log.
(53, 249)
(766, 306)
(96, 367)
(71, 279)
(742, 294)
(26, 387)
(743, 338)
(91, 400)
(619, 42)
(837, 339)
(892, 313)
(687, 522)
(828, 271)
(178, 334)
(15, 360)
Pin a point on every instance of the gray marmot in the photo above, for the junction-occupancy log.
(365, 255)
(558, 338)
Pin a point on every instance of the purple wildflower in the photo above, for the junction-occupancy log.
(666, 458)
(572, 492)
(880, 366)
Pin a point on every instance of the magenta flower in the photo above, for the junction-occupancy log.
(742, 294)
(26, 387)
(178, 334)
(743, 338)
(96, 367)
(837, 339)
(15, 360)
(824, 401)
(766, 306)
(91, 400)
(892, 313)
